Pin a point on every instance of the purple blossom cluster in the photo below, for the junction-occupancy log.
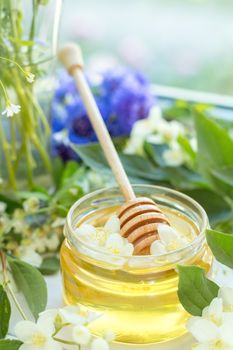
(122, 95)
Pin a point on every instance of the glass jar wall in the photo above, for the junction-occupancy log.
(136, 296)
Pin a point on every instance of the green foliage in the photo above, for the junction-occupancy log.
(215, 152)
(50, 265)
(7, 344)
(221, 245)
(31, 283)
(195, 291)
(151, 169)
(217, 209)
(138, 168)
(5, 313)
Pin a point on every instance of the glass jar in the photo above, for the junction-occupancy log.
(136, 295)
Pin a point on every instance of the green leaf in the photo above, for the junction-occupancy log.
(215, 149)
(223, 180)
(57, 169)
(11, 201)
(135, 166)
(7, 344)
(31, 283)
(224, 174)
(195, 291)
(23, 195)
(221, 245)
(69, 170)
(182, 178)
(155, 152)
(92, 156)
(187, 148)
(50, 266)
(5, 312)
(217, 209)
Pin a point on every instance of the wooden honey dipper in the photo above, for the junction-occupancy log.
(139, 216)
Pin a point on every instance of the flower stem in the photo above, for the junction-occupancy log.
(32, 29)
(60, 328)
(6, 149)
(14, 62)
(67, 342)
(8, 287)
(4, 91)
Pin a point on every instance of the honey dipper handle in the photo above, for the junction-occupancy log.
(71, 57)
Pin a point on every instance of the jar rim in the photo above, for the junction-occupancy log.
(198, 240)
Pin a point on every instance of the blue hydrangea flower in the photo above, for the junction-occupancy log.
(123, 97)
(61, 147)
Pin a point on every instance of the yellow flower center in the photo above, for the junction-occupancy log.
(214, 319)
(218, 344)
(173, 245)
(83, 313)
(38, 339)
(101, 236)
(115, 250)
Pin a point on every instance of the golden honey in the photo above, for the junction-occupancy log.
(136, 296)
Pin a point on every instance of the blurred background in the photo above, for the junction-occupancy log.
(180, 43)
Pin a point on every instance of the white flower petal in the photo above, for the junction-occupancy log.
(213, 312)
(227, 317)
(113, 224)
(115, 244)
(226, 293)
(86, 230)
(173, 157)
(28, 347)
(109, 335)
(30, 77)
(24, 330)
(31, 257)
(73, 314)
(155, 138)
(81, 335)
(49, 313)
(167, 234)
(202, 347)
(92, 316)
(128, 249)
(46, 325)
(203, 330)
(99, 344)
(157, 248)
(155, 115)
(11, 109)
(226, 333)
(52, 345)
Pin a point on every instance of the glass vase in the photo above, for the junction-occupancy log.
(28, 41)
